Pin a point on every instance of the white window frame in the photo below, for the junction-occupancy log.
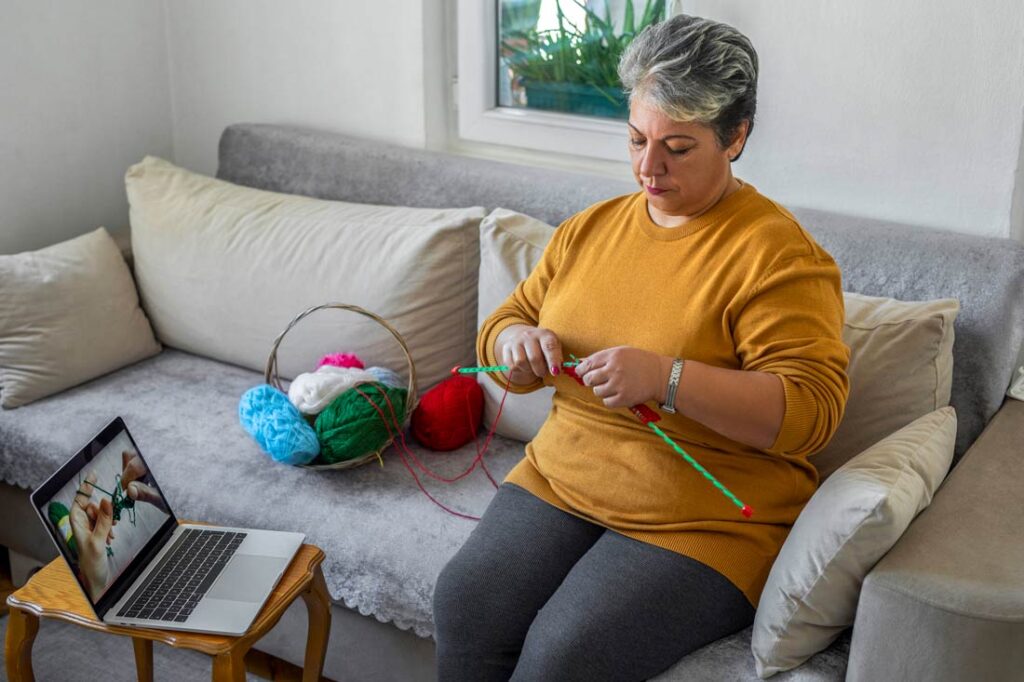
(481, 120)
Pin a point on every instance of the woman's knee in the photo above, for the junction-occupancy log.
(453, 597)
(558, 647)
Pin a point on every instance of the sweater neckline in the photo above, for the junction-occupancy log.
(713, 215)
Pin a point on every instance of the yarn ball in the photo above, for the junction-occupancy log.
(341, 360)
(449, 415)
(387, 377)
(312, 392)
(269, 417)
(350, 427)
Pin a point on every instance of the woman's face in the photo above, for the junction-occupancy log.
(680, 166)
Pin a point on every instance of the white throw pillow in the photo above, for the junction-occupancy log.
(68, 313)
(510, 246)
(850, 523)
(223, 269)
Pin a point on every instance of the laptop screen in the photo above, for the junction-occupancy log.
(105, 510)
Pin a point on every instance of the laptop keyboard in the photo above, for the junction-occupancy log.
(183, 576)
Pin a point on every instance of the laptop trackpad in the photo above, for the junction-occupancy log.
(248, 577)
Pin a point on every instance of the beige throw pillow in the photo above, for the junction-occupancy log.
(901, 364)
(901, 367)
(68, 313)
(850, 523)
(510, 246)
(223, 269)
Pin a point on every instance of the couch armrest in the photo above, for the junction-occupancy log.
(947, 602)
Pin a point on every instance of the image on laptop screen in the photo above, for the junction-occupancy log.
(106, 514)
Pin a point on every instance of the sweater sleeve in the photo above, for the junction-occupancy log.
(791, 325)
(522, 306)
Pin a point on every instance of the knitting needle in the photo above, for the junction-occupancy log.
(458, 369)
(647, 416)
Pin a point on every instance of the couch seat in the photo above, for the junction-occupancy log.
(385, 541)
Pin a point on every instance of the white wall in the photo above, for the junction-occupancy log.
(909, 110)
(83, 95)
(350, 66)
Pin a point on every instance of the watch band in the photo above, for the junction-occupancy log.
(673, 385)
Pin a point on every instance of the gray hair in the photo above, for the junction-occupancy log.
(694, 69)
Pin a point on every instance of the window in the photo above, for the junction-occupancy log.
(541, 74)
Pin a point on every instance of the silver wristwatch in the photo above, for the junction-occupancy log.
(673, 385)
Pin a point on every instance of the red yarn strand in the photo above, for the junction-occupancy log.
(388, 425)
(404, 449)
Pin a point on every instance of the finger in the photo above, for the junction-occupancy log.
(133, 469)
(595, 378)
(140, 492)
(126, 456)
(92, 511)
(104, 520)
(590, 363)
(79, 521)
(535, 355)
(520, 362)
(552, 353)
(83, 495)
(506, 356)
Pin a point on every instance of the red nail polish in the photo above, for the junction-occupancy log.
(555, 370)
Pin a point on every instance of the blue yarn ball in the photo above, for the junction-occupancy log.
(270, 418)
(387, 377)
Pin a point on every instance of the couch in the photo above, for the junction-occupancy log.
(946, 603)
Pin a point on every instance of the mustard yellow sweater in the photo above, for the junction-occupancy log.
(743, 287)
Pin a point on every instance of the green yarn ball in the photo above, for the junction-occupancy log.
(350, 427)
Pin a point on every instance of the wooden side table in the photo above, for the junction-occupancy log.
(54, 593)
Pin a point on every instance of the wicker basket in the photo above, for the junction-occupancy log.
(411, 401)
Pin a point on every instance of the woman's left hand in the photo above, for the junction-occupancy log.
(622, 376)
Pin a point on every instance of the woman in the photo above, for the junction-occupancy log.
(604, 555)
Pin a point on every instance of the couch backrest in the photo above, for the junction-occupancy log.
(877, 258)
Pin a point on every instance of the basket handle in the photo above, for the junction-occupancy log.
(270, 374)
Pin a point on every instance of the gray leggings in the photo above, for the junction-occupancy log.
(537, 594)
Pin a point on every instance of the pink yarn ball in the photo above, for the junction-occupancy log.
(341, 360)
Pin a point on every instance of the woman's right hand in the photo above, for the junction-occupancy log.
(530, 352)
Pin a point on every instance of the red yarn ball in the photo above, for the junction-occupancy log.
(449, 415)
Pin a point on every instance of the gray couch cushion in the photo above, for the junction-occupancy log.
(330, 166)
(730, 659)
(877, 258)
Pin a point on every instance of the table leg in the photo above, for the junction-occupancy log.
(21, 633)
(143, 658)
(230, 665)
(318, 606)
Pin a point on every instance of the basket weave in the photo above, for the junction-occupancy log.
(271, 377)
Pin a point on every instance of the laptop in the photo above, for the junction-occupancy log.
(136, 564)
